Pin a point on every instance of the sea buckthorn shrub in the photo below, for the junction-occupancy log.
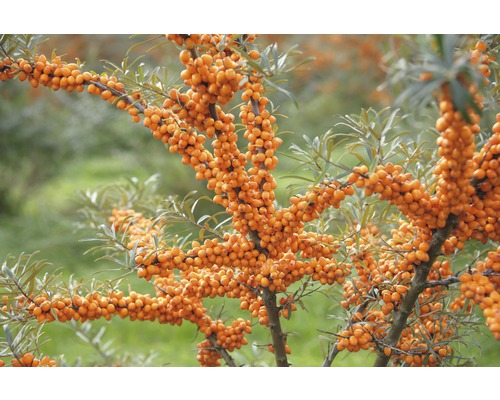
(396, 279)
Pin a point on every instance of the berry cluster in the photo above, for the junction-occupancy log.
(482, 286)
(29, 360)
(456, 147)
(208, 356)
(356, 337)
(378, 290)
(461, 169)
(481, 221)
(409, 195)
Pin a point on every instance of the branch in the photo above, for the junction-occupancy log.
(273, 310)
(443, 282)
(334, 350)
(277, 334)
(331, 356)
(225, 355)
(418, 284)
(130, 100)
(455, 279)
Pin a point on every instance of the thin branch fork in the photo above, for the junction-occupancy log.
(331, 356)
(223, 352)
(334, 349)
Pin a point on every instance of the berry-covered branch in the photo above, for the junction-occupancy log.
(416, 287)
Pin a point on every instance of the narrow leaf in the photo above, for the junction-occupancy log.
(8, 335)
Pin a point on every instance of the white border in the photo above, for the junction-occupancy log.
(256, 16)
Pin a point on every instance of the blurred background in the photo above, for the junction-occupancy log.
(55, 144)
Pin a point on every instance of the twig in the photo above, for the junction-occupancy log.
(455, 279)
(254, 290)
(331, 356)
(115, 92)
(443, 282)
(201, 227)
(20, 288)
(96, 344)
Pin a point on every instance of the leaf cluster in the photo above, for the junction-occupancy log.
(21, 339)
(274, 66)
(182, 218)
(442, 59)
(21, 279)
(136, 73)
(20, 45)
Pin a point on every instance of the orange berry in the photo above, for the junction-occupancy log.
(254, 54)
(481, 46)
(184, 56)
(121, 104)
(425, 76)
(408, 359)
(105, 95)
(27, 359)
(15, 363)
(464, 278)
(441, 124)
